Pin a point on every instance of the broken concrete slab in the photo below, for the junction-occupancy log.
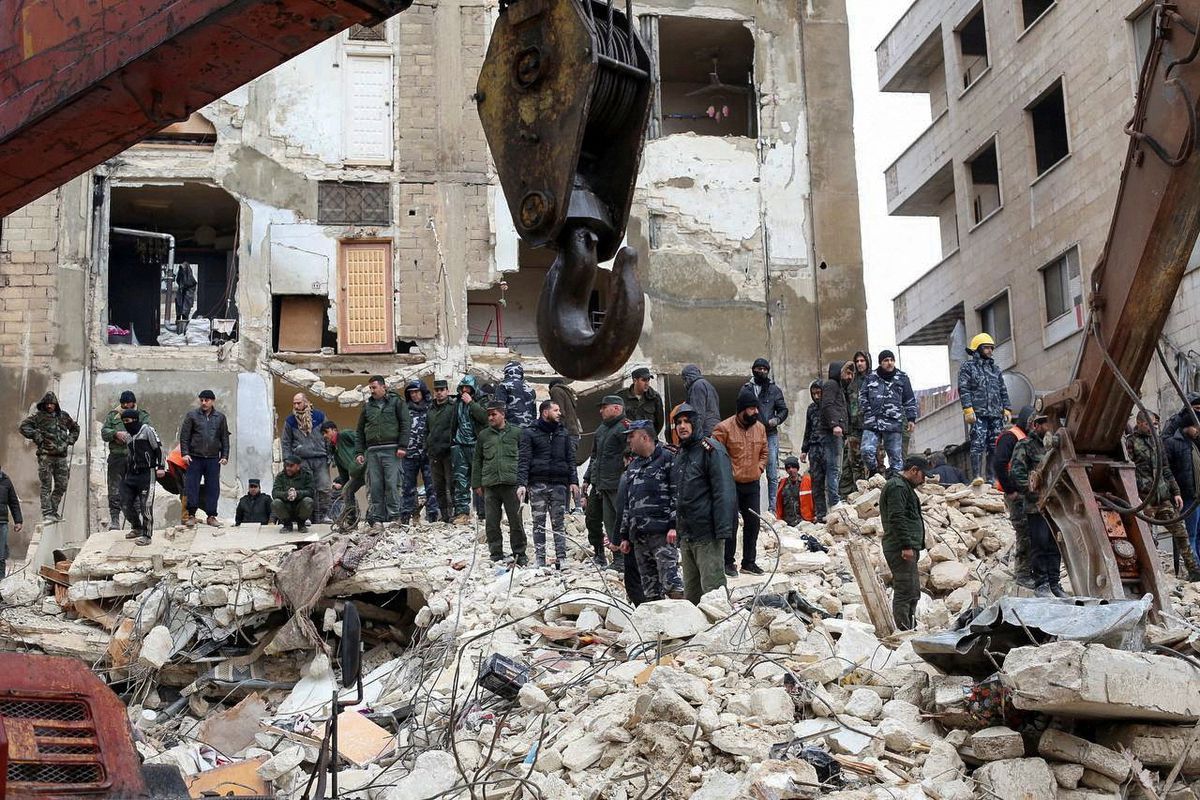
(996, 743)
(668, 619)
(232, 730)
(1155, 745)
(156, 647)
(1062, 746)
(1018, 779)
(1067, 775)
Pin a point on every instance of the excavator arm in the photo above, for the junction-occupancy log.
(1088, 488)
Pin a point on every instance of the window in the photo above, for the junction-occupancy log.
(984, 171)
(1062, 291)
(706, 74)
(365, 319)
(1032, 10)
(341, 203)
(195, 130)
(994, 319)
(1048, 118)
(368, 33)
(1143, 34)
(972, 47)
(654, 229)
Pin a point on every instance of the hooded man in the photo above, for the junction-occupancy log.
(416, 461)
(705, 505)
(1045, 559)
(984, 399)
(833, 419)
(853, 468)
(602, 476)
(702, 397)
(470, 417)
(10, 507)
(889, 407)
(520, 401)
(772, 411)
(53, 431)
(253, 506)
(642, 402)
(113, 432)
(746, 442)
(302, 438)
(143, 464)
(788, 498)
(812, 452)
(1183, 457)
(1014, 500)
(439, 421)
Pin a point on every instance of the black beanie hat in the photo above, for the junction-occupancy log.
(128, 397)
(746, 399)
(886, 354)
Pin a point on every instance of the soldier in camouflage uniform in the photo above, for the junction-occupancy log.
(416, 458)
(1163, 499)
(1045, 558)
(889, 407)
(985, 403)
(520, 402)
(53, 431)
(547, 468)
(470, 416)
(648, 516)
(113, 432)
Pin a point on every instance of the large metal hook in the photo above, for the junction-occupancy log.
(563, 321)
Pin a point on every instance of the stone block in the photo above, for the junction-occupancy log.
(1154, 745)
(997, 744)
(1018, 779)
(1067, 775)
(669, 619)
(1063, 746)
(772, 705)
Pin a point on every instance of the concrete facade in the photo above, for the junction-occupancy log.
(1052, 204)
(749, 239)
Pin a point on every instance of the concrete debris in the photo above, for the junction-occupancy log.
(778, 689)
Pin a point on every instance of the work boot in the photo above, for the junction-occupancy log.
(753, 569)
(1193, 577)
(731, 571)
(213, 521)
(618, 562)
(114, 523)
(285, 527)
(1044, 590)
(1057, 590)
(189, 521)
(406, 519)
(133, 534)
(976, 466)
(1026, 580)
(142, 540)
(599, 560)
(301, 527)
(522, 560)
(676, 595)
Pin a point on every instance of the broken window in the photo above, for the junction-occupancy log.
(344, 203)
(706, 77)
(994, 318)
(1032, 10)
(368, 33)
(195, 130)
(366, 322)
(984, 171)
(301, 323)
(1064, 292)
(172, 265)
(972, 47)
(1048, 117)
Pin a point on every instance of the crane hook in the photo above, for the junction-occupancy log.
(564, 323)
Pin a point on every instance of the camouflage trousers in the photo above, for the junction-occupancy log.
(462, 455)
(852, 465)
(116, 474)
(410, 468)
(53, 472)
(983, 443)
(1179, 536)
(547, 499)
(658, 564)
(1022, 568)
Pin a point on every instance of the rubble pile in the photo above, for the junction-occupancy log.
(483, 678)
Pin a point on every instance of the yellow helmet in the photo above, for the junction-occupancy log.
(980, 340)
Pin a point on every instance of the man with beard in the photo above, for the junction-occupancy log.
(746, 442)
(416, 460)
(772, 411)
(302, 438)
(143, 464)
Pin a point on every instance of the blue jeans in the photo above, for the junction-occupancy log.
(3, 549)
(208, 470)
(383, 484)
(772, 466)
(408, 501)
(832, 447)
(892, 445)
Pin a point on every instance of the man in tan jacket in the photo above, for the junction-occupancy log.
(746, 441)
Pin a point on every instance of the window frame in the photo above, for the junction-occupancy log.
(994, 143)
(1060, 84)
(1006, 295)
(960, 73)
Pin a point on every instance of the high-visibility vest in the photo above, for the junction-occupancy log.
(1017, 432)
(807, 511)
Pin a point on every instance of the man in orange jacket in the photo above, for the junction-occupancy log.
(746, 442)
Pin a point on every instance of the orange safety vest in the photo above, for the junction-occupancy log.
(1017, 432)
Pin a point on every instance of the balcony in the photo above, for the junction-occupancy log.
(912, 48)
(927, 311)
(923, 176)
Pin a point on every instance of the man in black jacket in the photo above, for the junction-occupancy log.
(10, 507)
(547, 467)
(143, 464)
(702, 397)
(204, 444)
(1183, 457)
(812, 452)
(1014, 500)
(602, 475)
(439, 426)
(254, 506)
(772, 411)
(705, 505)
(833, 420)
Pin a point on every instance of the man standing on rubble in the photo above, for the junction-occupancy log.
(853, 467)
(833, 419)
(520, 401)
(746, 442)
(705, 505)
(470, 416)
(702, 397)
(648, 525)
(642, 402)
(113, 432)
(904, 537)
(1183, 456)
(439, 422)
(772, 411)
(1014, 499)
(416, 462)
(985, 403)
(302, 438)
(10, 507)
(383, 437)
(1163, 498)
(253, 506)
(351, 475)
(292, 495)
(53, 431)
(143, 464)
(547, 470)
(1044, 556)
(889, 407)
(812, 452)
(204, 444)
(495, 476)
(602, 476)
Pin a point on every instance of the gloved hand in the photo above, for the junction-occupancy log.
(969, 415)
(1007, 416)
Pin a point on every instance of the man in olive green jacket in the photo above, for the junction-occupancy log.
(114, 434)
(603, 475)
(292, 495)
(904, 537)
(382, 439)
(494, 475)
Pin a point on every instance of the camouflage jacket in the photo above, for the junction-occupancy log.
(418, 413)
(854, 403)
(1146, 449)
(1027, 455)
(981, 387)
(886, 403)
(518, 397)
(112, 424)
(787, 501)
(649, 495)
(53, 432)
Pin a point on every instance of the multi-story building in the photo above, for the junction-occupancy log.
(1020, 164)
(342, 219)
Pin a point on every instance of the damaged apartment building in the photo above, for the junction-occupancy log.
(339, 217)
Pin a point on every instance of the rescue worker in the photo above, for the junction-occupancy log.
(520, 401)
(1014, 499)
(1183, 456)
(787, 499)
(601, 478)
(631, 578)
(904, 537)
(495, 476)
(705, 505)
(564, 395)
(853, 468)
(292, 495)
(1163, 497)
(439, 421)
(812, 452)
(746, 443)
(648, 527)
(888, 407)
(1045, 559)
(547, 470)
(772, 412)
(470, 417)
(384, 430)
(416, 460)
(113, 432)
(351, 475)
(204, 444)
(702, 397)
(143, 463)
(301, 437)
(642, 402)
(984, 399)
(10, 509)
(833, 419)
(53, 431)
(253, 506)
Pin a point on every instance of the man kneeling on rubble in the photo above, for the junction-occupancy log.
(904, 538)
(292, 495)
(648, 514)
